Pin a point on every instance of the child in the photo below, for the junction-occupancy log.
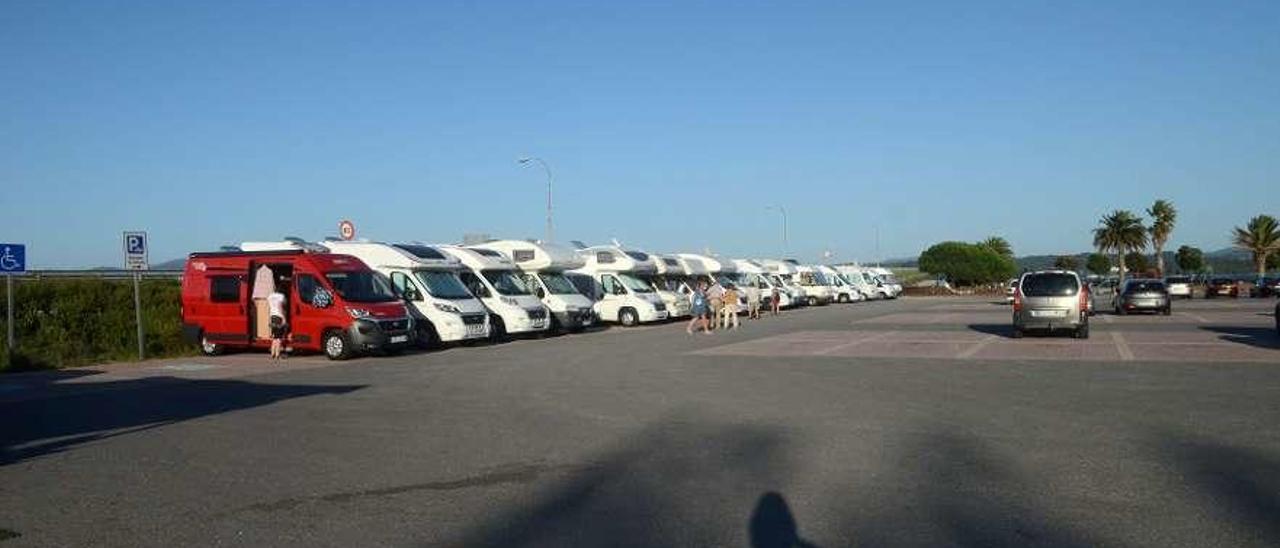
(279, 327)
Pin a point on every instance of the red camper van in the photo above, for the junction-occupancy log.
(334, 303)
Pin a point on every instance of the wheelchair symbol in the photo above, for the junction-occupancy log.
(8, 261)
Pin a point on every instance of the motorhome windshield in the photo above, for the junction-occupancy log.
(358, 286)
(442, 284)
(506, 282)
(635, 284)
(557, 283)
(665, 282)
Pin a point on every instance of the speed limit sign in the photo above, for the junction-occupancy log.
(347, 230)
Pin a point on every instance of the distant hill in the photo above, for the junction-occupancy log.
(1222, 261)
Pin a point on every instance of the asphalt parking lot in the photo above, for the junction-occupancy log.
(918, 422)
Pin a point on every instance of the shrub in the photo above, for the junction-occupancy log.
(68, 322)
(967, 264)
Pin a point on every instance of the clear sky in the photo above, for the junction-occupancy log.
(669, 126)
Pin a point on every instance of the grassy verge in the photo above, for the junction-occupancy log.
(69, 322)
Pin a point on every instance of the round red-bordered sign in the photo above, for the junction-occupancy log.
(347, 230)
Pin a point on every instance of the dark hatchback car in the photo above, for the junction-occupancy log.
(1222, 287)
(1143, 296)
(1266, 287)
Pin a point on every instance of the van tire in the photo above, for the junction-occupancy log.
(844, 298)
(210, 349)
(497, 329)
(427, 338)
(336, 345)
(813, 301)
(628, 317)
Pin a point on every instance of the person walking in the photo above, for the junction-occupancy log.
(700, 308)
(753, 300)
(775, 300)
(715, 295)
(279, 327)
(729, 312)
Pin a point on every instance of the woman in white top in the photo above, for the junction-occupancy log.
(279, 327)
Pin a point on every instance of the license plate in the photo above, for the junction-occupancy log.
(1146, 302)
(474, 330)
(399, 338)
(662, 315)
(1048, 313)
(586, 321)
(539, 324)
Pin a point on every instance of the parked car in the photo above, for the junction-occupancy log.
(1266, 287)
(1051, 300)
(1222, 287)
(1179, 286)
(1139, 295)
(1010, 289)
(1277, 315)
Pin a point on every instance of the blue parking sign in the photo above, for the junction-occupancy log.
(13, 258)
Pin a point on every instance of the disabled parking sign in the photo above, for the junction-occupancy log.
(13, 258)
(135, 251)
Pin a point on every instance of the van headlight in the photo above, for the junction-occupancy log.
(446, 307)
(509, 301)
(358, 312)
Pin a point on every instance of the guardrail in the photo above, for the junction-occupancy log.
(105, 274)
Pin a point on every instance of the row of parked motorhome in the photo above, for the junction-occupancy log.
(347, 297)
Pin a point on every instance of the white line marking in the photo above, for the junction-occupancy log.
(1121, 346)
(1195, 317)
(1106, 318)
(851, 344)
(969, 352)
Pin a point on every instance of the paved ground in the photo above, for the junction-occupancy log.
(916, 422)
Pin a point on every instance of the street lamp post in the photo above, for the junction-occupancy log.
(783, 211)
(550, 181)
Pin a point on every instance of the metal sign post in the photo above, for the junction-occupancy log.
(135, 258)
(13, 260)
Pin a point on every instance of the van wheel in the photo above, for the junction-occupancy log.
(427, 338)
(844, 298)
(210, 349)
(497, 329)
(336, 345)
(813, 301)
(628, 317)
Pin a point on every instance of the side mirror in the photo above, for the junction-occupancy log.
(542, 293)
(322, 299)
(411, 294)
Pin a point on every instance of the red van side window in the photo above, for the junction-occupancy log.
(224, 289)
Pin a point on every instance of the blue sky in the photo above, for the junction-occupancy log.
(669, 126)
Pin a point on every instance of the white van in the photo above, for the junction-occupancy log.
(427, 279)
(844, 291)
(543, 266)
(817, 290)
(670, 280)
(889, 280)
(784, 273)
(751, 273)
(866, 281)
(719, 270)
(608, 278)
(496, 281)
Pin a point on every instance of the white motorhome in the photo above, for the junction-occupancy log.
(817, 289)
(865, 281)
(543, 266)
(608, 278)
(670, 279)
(784, 273)
(719, 270)
(890, 281)
(427, 279)
(845, 292)
(496, 281)
(751, 272)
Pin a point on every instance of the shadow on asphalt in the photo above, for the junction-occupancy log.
(1260, 337)
(997, 329)
(38, 427)
(1241, 484)
(772, 524)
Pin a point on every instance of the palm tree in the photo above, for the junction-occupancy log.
(1261, 237)
(1163, 216)
(1120, 232)
(999, 245)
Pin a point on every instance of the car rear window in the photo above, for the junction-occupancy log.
(1179, 280)
(1145, 287)
(1050, 285)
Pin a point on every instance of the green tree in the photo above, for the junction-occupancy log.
(999, 245)
(1137, 262)
(1260, 237)
(967, 264)
(1190, 259)
(1066, 262)
(1163, 217)
(1098, 264)
(1120, 232)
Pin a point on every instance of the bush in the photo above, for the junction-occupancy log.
(68, 322)
(966, 264)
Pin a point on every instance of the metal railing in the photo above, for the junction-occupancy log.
(105, 274)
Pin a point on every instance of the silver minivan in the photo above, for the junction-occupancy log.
(1051, 300)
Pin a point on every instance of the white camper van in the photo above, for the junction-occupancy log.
(817, 290)
(543, 266)
(844, 291)
(889, 280)
(720, 270)
(784, 273)
(427, 279)
(865, 281)
(496, 281)
(608, 278)
(669, 278)
(751, 272)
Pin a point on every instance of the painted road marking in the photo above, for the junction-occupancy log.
(1106, 318)
(872, 338)
(187, 367)
(969, 352)
(1121, 346)
(1195, 317)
